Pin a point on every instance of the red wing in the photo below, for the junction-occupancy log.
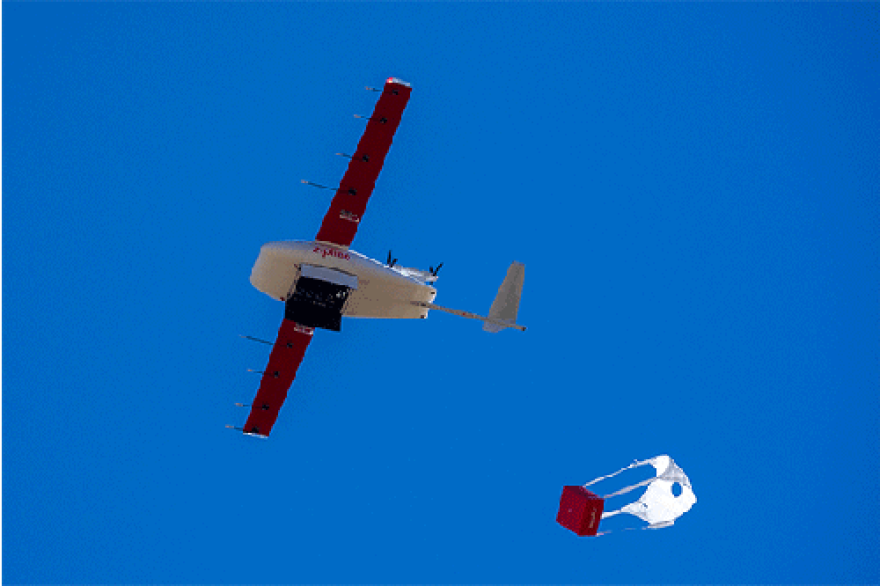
(287, 353)
(348, 205)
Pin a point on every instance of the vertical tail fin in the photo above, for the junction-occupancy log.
(506, 304)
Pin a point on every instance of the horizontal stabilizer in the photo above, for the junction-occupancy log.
(506, 304)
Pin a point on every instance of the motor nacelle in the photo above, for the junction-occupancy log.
(419, 275)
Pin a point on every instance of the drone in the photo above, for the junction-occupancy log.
(322, 280)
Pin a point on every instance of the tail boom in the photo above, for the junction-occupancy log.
(497, 323)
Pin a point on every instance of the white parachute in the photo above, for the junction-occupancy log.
(668, 496)
(658, 506)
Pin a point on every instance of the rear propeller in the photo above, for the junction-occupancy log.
(391, 261)
(434, 271)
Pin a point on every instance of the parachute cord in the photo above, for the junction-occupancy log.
(635, 464)
(601, 533)
(629, 488)
(594, 481)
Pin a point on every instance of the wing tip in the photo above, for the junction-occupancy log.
(246, 432)
(255, 434)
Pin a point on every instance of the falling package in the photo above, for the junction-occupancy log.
(667, 497)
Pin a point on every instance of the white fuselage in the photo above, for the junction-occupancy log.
(382, 291)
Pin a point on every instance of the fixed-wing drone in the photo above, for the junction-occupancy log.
(323, 280)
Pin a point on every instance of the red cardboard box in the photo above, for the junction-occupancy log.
(580, 510)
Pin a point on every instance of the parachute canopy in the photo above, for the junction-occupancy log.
(668, 496)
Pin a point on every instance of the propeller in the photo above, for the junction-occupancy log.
(391, 261)
(434, 271)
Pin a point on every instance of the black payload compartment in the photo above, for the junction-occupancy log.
(317, 304)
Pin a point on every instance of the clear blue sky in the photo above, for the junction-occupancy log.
(692, 187)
